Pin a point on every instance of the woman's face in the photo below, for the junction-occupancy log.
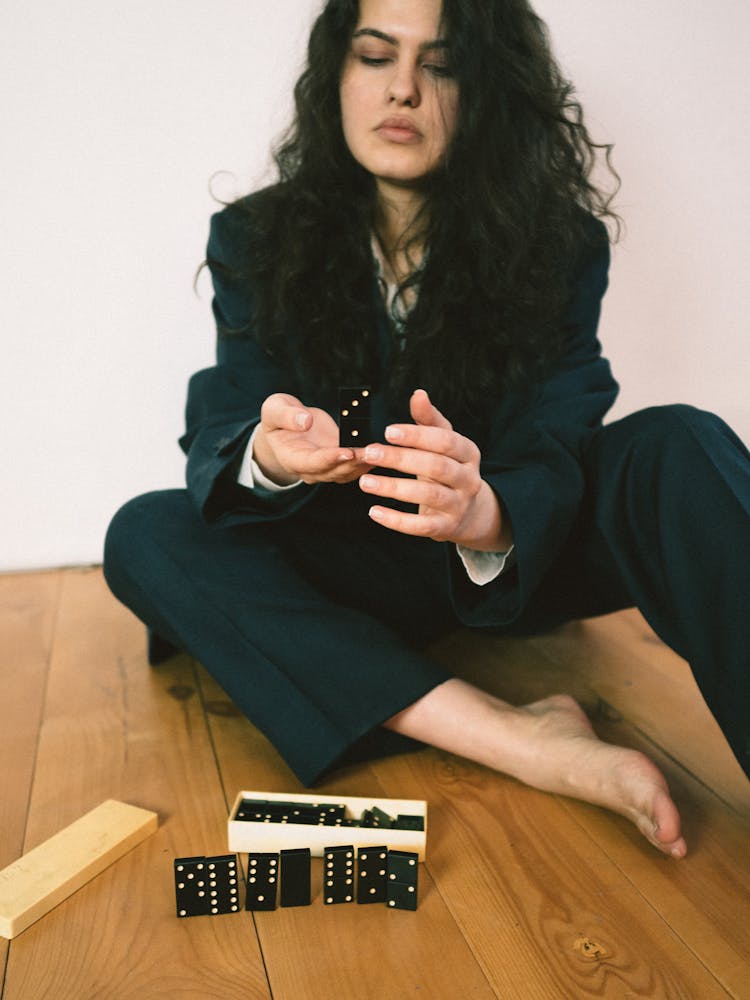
(398, 99)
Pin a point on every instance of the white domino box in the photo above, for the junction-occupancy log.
(257, 835)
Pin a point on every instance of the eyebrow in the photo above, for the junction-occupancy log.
(438, 43)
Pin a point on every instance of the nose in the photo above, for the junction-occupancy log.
(403, 86)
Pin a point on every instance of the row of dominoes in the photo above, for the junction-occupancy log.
(316, 814)
(206, 885)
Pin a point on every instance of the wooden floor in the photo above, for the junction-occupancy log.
(523, 895)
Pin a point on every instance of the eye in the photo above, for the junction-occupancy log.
(373, 60)
(437, 70)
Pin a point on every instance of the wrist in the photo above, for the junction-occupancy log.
(265, 458)
(489, 528)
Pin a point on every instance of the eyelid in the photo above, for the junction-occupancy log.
(439, 69)
(373, 60)
(371, 52)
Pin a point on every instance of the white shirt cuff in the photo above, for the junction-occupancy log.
(484, 567)
(251, 476)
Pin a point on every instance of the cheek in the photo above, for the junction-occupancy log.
(351, 107)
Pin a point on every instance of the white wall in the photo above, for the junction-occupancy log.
(667, 82)
(115, 116)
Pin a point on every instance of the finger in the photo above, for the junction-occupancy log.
(420, 492)
(347, 472)
(432, 525)
(281, 411)
(439, 440)
(424, 411)
(423, 451)
(309, 460)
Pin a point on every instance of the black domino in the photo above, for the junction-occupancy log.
(338, 874)
(376, 819)
(277, 811)
(332, 815)
(338, 890)
(402, 875)
(191, 886)
(401, 896)
(206, 885)
(295, 877)
(371, 874)
(223, 884)
(354, 416)
(262, 881)
(404, 822)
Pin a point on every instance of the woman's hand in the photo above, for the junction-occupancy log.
(454, 503)
(301, 442)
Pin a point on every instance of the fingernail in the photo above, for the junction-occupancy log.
(373, 453)
(300, 420)
(369, 482)
(376, 513)
(394, 433)
(346, 456)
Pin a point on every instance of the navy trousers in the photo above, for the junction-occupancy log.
(316, 631)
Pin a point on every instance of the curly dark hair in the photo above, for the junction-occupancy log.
(505, 217)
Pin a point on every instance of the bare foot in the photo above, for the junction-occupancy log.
(550, 745)
(563, 754)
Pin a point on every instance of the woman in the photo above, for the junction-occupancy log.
(432, 236)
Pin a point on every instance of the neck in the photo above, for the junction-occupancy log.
(397, 225)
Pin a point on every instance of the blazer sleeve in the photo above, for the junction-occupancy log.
(224, 401)
(532, 454)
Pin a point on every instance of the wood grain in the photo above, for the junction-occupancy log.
(344, 950)
(523, 896)
(114, 728)
(700, 898)
(28, 606)
(631, 669)
(547, 911)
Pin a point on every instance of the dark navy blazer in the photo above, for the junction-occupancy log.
(531, 443)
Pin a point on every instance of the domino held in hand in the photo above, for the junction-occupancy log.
(354, 416)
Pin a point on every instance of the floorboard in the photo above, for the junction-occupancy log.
(524, 896)
(345, 950)
(114, 729)
(28, 607)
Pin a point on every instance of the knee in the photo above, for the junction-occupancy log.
(132, 535)
(660, 451)
(673, 429)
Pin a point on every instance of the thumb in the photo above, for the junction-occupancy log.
(281, 411)
(424, 412)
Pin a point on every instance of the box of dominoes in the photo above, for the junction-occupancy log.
(273, 821)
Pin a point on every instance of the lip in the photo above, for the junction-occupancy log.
(398, 129)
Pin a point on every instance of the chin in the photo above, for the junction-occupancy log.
(400, 175)
(395, 166)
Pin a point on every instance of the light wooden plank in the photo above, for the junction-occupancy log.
(54, 870)
(115, 728)
(352, 951)
(28, 605)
